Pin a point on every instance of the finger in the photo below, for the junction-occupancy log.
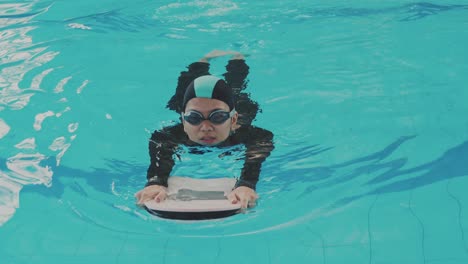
(137, 194)
(142, 199)
(244, 202)
(162, 194)
(231, 197)
(253, 198)
(160, 197)
(237, 198)
(139, 197)
(146, 196)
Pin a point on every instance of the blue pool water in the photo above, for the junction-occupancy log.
(367, 102)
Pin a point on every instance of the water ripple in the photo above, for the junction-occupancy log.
(26, 152)
(108, 21)
(4, 128)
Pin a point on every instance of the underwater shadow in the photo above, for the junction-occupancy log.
(413, 11)
(390, 175)
(110, 21)
(122, 173)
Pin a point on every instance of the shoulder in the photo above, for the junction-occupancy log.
(169, 133)
(253, 133)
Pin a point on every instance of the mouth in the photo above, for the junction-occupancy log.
(208, 140)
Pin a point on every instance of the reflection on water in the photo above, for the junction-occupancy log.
(31, 149)
(410, 12)
(324, 197)
(26, 143)
(110, 21)
(380, 173)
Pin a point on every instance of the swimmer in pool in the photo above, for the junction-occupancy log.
(214, 113)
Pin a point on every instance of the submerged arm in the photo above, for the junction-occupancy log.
(259, 143)
(162, 147)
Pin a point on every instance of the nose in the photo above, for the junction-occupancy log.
(206, 126)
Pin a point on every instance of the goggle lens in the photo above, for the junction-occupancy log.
(216, 117)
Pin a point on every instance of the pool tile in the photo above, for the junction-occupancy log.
(440, 222)
(67, 259)
(396, 235)
(194, 250)
(242, 249)
(140, 244)
(97, 241)
(347, 254)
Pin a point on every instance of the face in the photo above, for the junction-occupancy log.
(207, 133)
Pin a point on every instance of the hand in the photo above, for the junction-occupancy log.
(245, 195)
(156, 192)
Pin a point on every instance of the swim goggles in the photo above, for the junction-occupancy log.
(216, 117)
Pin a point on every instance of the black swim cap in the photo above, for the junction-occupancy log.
(209, 86)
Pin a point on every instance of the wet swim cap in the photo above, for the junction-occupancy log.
(209, 86)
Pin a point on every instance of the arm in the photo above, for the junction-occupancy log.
(162, 147)
(236, 74)
(259, 143)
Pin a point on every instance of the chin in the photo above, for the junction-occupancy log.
(208, 144)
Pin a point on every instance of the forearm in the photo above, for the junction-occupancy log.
(157, 175)
(259, 146)
(249, 176)
(252, 166)
(161, 151)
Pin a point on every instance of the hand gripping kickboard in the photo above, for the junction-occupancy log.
(195, 199)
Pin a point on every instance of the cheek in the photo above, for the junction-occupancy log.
(225, 130)
(189, 131)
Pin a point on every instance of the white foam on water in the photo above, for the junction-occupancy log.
(72, 127)
(59, 144)
(26, 169)
(29, 143)
(20, 57)
(37, 80)
(82, 86)
(175, 36)
(78, 26)
(61, 84)
(64, 110)
(189, 11)
(15, 101)
(9, 191)
(123, 208)
(40, 118)
(4, 128)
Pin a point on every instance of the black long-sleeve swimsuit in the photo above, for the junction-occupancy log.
(258, 142)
